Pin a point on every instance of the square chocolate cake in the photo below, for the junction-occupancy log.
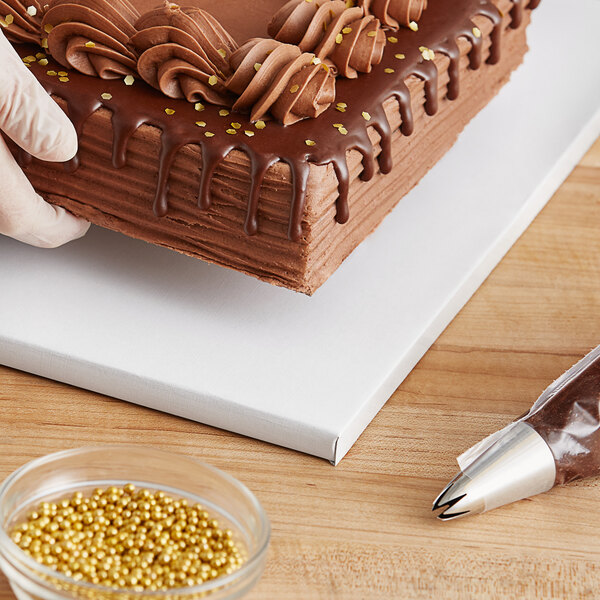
(270, 137)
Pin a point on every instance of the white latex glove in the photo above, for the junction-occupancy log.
(30, 117)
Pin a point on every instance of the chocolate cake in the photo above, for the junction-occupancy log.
(271, 137)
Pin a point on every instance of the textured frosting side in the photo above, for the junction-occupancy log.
(333, 31)
(394, 13)
(21, 21)
(270, 76)
(91, 36)
(184, 52)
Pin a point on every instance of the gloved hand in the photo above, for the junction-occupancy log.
(36, 123)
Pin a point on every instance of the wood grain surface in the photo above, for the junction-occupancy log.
(365, 529)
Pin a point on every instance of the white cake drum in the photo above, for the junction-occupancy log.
(144, 324)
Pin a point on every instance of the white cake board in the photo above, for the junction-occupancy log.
(147, 325)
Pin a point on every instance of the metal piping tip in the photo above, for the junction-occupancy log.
(452, 499)
(517, 466)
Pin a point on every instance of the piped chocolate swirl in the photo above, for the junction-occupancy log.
(92, 36)
(184, 52)
(395, 13)
(21, 21)
(278, 78)
(337, 33)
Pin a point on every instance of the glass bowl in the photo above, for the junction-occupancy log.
(83, 469)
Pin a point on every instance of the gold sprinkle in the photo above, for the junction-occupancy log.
(392, 39)
(90, 45)
(339, 38)
(43, 62)
(201, 123)
(48, 28)
(310, 142)
(372, 34)
(63, 73)
(63, 79)
(199, 106)
(294, 89)
(44, 43)
(343, 130)
(388, 70)
(74, 535)
(8, 20)
(169, 111)
(29, 59)
(260, 124)
(52, 73)
(209, 134)
(32, 11)
(347, 30)
(249, 133)
(338, 125)
(223, 112)
(366, 115)
(477, 32)
(106, 96)
(236, 125)
(129, 80)
(340, 109)
(413, 26)
(349, 3)
(222, 52)
(40, 55)
(212, 80)
(400, 56)
(342, 105)
(257, 66)
(231, 131)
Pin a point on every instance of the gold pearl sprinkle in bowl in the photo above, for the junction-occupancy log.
(84, 472)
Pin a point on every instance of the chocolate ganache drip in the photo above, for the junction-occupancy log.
(21, 21)
(394, 13)
(91, 36)
(184, 52)
(336, 33)
(278, 78)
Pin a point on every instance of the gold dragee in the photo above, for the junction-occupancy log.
(125, 538)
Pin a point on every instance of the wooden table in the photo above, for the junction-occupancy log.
(364, 530)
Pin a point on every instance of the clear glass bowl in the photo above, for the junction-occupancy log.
(61, 474)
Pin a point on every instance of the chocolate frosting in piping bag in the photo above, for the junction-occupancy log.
(21, 22)
(185, 53)
(91, 36)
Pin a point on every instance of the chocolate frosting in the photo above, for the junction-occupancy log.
(24, 20)
(184, 52)
(276, 77)
(394, 13)
(336, 33)
(91, 36)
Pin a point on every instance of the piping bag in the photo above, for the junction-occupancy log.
(557, 441)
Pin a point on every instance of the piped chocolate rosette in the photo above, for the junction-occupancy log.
(280, 79)
(21, 21)
(395, 13)
(91, 36)
(337, 33)
(184, 52)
